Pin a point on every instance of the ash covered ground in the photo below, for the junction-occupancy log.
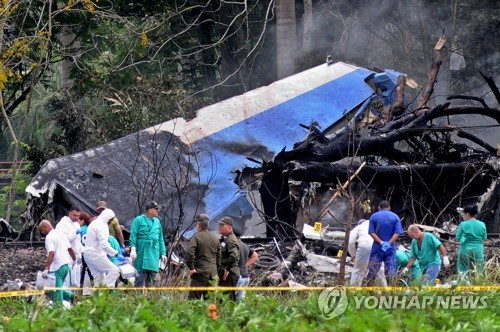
(21, 263)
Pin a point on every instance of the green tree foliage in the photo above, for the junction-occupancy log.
(19, 204)
(132, 64)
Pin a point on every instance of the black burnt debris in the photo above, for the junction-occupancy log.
(426, 161)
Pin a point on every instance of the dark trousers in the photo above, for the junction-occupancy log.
(231, 281)
(147, 278)
(85, 268)
(199, 280)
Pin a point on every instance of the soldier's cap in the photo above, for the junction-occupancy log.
(226, 221)
(151, 205)
(202, 220)
(101, 205)
(201, 217)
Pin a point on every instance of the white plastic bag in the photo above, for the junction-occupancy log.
(73, 277)
(42, 282)
(127, 271)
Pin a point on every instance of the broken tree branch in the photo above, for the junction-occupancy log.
(382, 140)
(398, 107)
(492, 85)
(481, 100)
(436, 64)
(477, 140)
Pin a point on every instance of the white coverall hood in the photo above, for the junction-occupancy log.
(105, 216)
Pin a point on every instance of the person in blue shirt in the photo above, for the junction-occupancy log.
(385, 228)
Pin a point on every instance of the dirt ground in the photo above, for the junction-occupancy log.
(21, 263)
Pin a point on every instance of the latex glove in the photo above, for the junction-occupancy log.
(122, 249)
(446, 261)
(120, 257)
(164, 259)
(78, 231)
(133, 254)
(385, 246)
(405, 270)
(45, 273)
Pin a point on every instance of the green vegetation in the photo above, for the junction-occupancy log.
(19, 205)
(261, 312)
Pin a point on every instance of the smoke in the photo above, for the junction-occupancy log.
(401, 35)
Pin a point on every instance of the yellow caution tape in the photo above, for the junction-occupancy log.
(281, 289)
(21, 293)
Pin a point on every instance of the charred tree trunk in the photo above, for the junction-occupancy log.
(275, 195)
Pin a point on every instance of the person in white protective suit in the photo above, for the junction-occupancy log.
(70, 225)
(360, 246)
(97, 249)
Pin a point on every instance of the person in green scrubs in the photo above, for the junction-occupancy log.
(402, 259)
(147, 245)
(425, 248)
(471, 233)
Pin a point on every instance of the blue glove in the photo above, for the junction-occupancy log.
(385, 246)
(78, 231)
(122, 249)
(120, 258)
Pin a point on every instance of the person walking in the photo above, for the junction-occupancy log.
(60, 257)
(147, 245)
(203, 257)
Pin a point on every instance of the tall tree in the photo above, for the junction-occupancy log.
(286, 37)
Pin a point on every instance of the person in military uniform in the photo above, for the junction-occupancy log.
(203, 257)
(229, 272)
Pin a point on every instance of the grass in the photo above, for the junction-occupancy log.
(263, 311)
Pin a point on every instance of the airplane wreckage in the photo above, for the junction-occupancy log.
(313, 147)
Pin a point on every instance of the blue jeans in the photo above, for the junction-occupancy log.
(377, 256)
(242, 282)
(430, 274)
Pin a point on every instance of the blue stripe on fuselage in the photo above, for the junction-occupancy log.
(273, 129)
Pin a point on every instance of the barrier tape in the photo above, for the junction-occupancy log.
(21, 293)
(282, 289)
